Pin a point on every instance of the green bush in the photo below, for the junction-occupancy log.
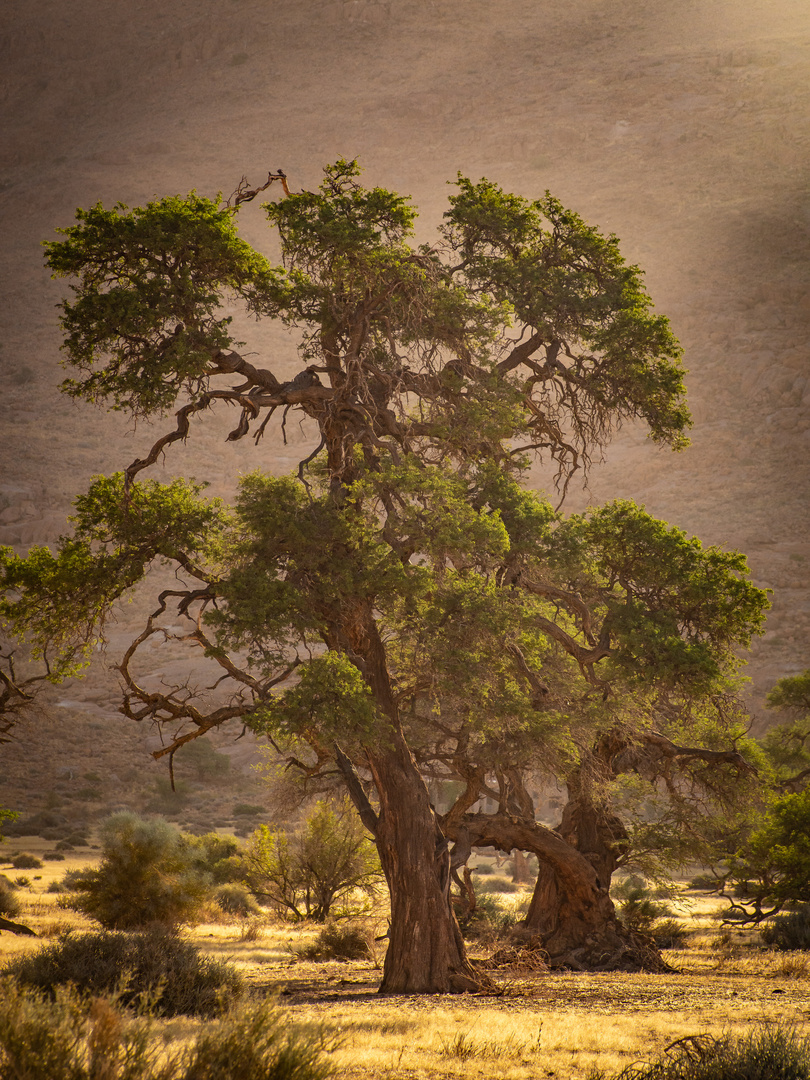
(9, 904)
(497, 883)
(148, 874)
(235, 899)
(490, 919)
(305, 875)
(790, 931)
(640, 912)
(62, 1039)
(220, 856)
(24, 861)
(769, 1052)
(155, 965)
(339, 941)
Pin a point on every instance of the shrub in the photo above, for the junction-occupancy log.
(491, 918)
(220, 856)
(154, 965)
(54, 856)
(202, 759)
(257, 1042)
(346, 941)
(24, 861)
(769, 1052)
(306, 874)
(9, 904)
(247, 810)
(639, 912)
(497, 884)
(235, 899)
(56, 887)
(790, 931)
(62, 1040)
(147, 875)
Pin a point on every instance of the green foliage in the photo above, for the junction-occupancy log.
(339, 941)
(309, 872)
(59, 603)
(789, 931)
(9, 904)
(772, 870)
(217, 855)
(150, 283)
(564, 278)
(154, 967)
(788, 744)
(677, 611)
(641, 912)
(769, 1052)
(148, 874)
(24, 861)
(62, 1039)
(7, 815)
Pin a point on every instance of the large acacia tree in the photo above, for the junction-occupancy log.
(403, 599)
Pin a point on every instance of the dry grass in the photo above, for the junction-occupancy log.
(557, 1026)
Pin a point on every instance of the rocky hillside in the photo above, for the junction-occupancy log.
(683, 128)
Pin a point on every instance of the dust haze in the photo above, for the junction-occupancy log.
(682, 126)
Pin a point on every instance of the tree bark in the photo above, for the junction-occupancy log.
(426, 952)
(572, 917)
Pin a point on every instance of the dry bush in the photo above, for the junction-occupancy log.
(155, 964)
(63, 1039)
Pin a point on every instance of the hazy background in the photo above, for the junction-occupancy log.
(681, 125)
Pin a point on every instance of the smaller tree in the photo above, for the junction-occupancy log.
(773, 872)
(788, 743)
(305, 874)
(149, 873)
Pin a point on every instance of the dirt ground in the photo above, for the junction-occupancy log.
(556, 1025)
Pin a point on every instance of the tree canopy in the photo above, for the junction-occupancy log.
(403, 606)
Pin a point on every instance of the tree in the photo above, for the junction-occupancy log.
(404, 594)
(307, 873)
(788, 744)
(771, 867)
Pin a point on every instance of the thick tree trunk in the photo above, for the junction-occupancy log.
(572, 917)
(426, 952)
(597, 836)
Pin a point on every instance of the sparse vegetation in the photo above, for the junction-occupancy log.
(148, 874)
(790, 931)
(307, 873)
(63, 1039)
(154, 967)
(765, 1053)
(340, 941)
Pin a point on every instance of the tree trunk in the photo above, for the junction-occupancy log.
(426, 952)
(571, 917)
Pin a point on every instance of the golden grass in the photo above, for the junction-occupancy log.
(557, 1026)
